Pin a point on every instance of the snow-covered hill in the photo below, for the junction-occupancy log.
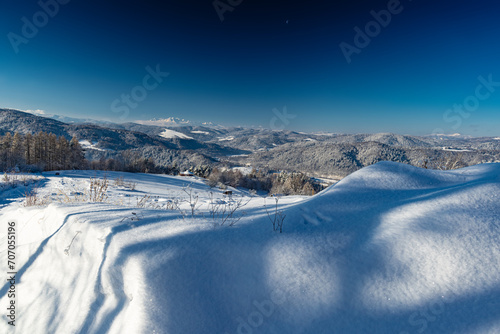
(389, 249)
(167, 133)
(175, 122)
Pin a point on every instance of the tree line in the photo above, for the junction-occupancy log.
(39, 152)
(284, 183)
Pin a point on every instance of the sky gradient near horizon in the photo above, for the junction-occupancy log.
(403, 75)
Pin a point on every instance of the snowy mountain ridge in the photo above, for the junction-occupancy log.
(318, 155)
(174, 122)
(67, 119)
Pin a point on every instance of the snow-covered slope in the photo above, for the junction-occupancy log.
(167, 133)
(175, 122)
(389, 249)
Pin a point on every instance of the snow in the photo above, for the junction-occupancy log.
(456, 149)
(88, 145)
(229, 138)
(176, 122)
(13, 180)
(238, 155)
(329, 134)
(389, 249)
(170, 121)
(244, 170)
(174, 134)
(201, 132)
(447, 135)
(324, 181)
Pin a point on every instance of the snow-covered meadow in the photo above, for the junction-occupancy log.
(389, 249)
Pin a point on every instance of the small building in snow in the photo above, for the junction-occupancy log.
(186, 173)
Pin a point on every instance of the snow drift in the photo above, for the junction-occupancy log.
(389, 249)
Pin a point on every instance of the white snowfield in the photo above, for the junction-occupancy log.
(167, 133)
(389, 249)
(90, 146)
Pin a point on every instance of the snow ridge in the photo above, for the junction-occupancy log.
(389, 249)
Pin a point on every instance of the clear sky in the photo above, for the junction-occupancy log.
(403, 73)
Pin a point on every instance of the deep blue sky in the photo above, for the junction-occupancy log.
(262, 56)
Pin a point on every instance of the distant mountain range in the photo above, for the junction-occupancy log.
(66, 119)
(108, 141)
(177, 141)
(175, 122)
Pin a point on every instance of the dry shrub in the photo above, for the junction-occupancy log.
(98, 189)
(31, 197)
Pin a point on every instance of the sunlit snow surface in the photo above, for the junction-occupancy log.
(167, 133)
(389, 249)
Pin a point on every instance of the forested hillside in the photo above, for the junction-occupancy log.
(42, 151)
